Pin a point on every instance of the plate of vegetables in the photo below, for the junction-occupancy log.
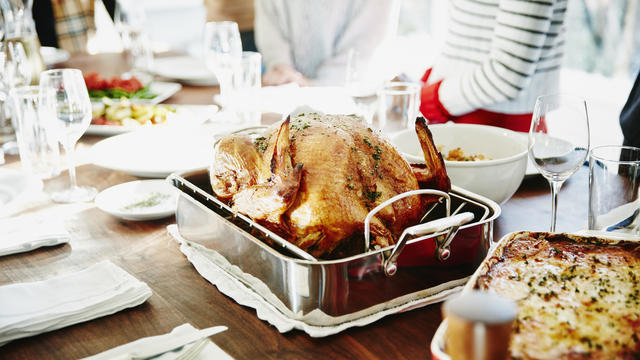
(131, 88)
(112, 117)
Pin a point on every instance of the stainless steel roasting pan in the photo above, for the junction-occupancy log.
(346, 288)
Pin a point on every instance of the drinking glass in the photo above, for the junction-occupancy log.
(614, 189)
(398, 106)
(361, 86)
(73, 115)
(17, 72)
(222, 52)
(246, 84)
(129, 20)
(558, 140)
(37, 141)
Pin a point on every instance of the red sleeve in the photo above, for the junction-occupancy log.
(426, 75)
(430, 104)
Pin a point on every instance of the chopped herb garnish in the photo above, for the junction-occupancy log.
(372, 196)
(155, 198)
(261, 144)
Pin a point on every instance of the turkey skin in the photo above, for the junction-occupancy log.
(314, 178)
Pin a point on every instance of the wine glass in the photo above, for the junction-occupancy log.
(17, 72)
(129, 20)
(73, 115)
(360, 85)
(558, 140)
(222, 52)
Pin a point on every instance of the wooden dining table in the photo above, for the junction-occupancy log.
(181, 295)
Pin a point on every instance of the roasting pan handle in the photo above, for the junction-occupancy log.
(367, 219)
(452, 223)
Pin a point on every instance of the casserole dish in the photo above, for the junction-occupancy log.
(577, 296)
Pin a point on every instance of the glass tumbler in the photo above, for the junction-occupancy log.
(37, 140)
(244, 99)
(614, 190)
(398, 106)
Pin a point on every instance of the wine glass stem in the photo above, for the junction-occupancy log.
(555, 188)
(71, 156)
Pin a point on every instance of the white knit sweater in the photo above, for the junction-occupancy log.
(499, 55)
(315, 36)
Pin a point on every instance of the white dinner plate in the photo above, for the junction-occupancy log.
(185, 115)
(15, 188)
(52, 56)
(162, 90)
(139, 200)
(159, 151)
(185, 69)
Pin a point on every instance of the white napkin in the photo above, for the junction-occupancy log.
(22, 236)
(252, 292)
(28, 309)
(187, 342)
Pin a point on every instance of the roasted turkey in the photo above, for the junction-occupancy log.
(313, 178)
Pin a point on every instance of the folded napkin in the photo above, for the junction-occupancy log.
(183, 342)
(28, 309)
(21, 236)
(250, 291)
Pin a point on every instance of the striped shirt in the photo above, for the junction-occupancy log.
(499, 55)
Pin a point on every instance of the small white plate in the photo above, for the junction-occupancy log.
(163, 91)
(52, 56)
(185, 69)
(139, 200)
(15, 188)
(185, 115)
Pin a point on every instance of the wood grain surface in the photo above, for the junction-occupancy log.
(181, 295)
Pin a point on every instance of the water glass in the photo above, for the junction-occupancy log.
(6, 128)
(37, 141)
(614, 189)
(361, 85)
(222, 52)
(246, 80)
(398, 106)
(130, 23)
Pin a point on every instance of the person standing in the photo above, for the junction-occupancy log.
(498, 57)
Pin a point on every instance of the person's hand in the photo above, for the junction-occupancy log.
(283, 74)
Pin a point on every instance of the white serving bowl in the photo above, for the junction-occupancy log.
(498, 178)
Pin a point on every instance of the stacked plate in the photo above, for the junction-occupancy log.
(185, 69)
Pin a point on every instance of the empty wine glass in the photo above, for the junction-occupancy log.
(17, 72)
(558, 140)
(360, 85)
(73, 115)
(222, 52)
(128, 18)
(130, 23)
